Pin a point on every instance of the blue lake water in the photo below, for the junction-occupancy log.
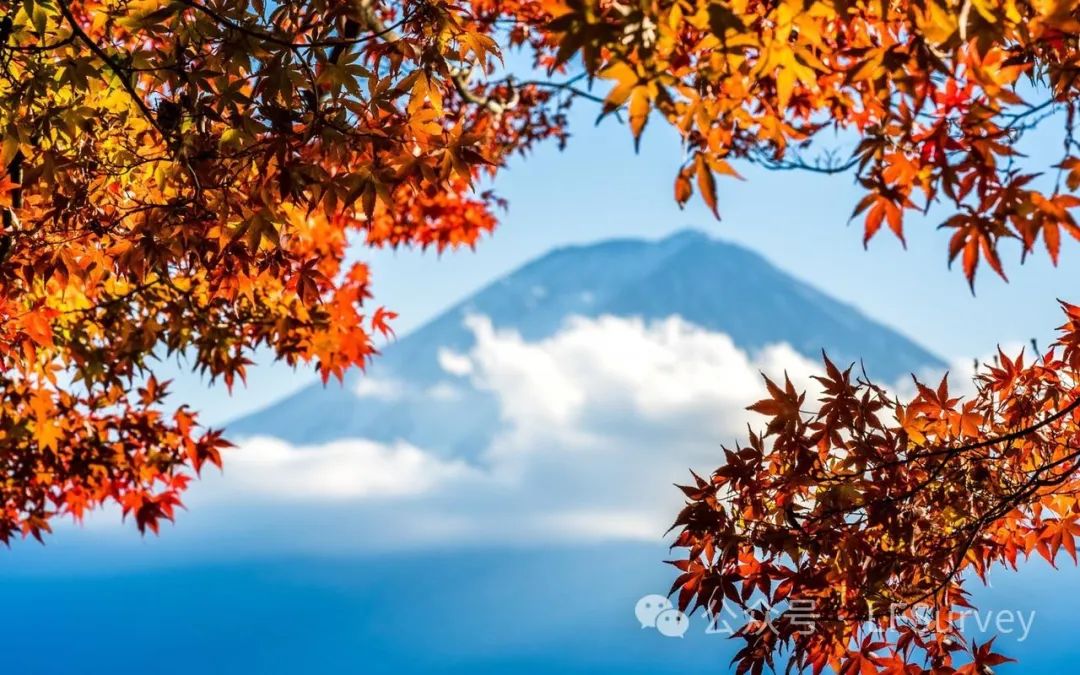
(567, 610)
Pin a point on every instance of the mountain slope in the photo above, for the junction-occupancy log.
(715, 285)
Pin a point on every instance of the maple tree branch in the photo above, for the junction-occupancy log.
(830, 167)
(117, 69)
(10, 220)
(1006, 438)
(123, 75)
(39, 49)
(567, 86)
(935, 472)
(6, 26)
(978, 526)
(962, 20)
(289, 44)
(461, 84)
(999, 510)
(459, 79)
(978, 445)
(123, 298)
(1031, 110)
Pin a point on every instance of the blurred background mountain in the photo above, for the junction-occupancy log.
(408, 394)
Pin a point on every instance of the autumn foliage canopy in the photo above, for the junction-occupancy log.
(195, 177)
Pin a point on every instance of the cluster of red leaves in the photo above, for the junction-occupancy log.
(869, 508)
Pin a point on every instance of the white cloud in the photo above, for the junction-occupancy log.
(609, 376)
(344, 470)
(600, 523)
(454, 363)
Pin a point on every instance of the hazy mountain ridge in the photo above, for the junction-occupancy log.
(715, 285)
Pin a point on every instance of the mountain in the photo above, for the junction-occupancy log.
(713, 284)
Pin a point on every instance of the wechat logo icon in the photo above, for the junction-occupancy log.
(656, 611)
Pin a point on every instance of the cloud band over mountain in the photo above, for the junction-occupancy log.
(598, 421)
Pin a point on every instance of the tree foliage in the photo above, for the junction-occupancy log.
(936, 95)
(188, 178)
(871, 509)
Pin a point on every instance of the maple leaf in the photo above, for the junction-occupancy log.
(784, 405)
(380, 321)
